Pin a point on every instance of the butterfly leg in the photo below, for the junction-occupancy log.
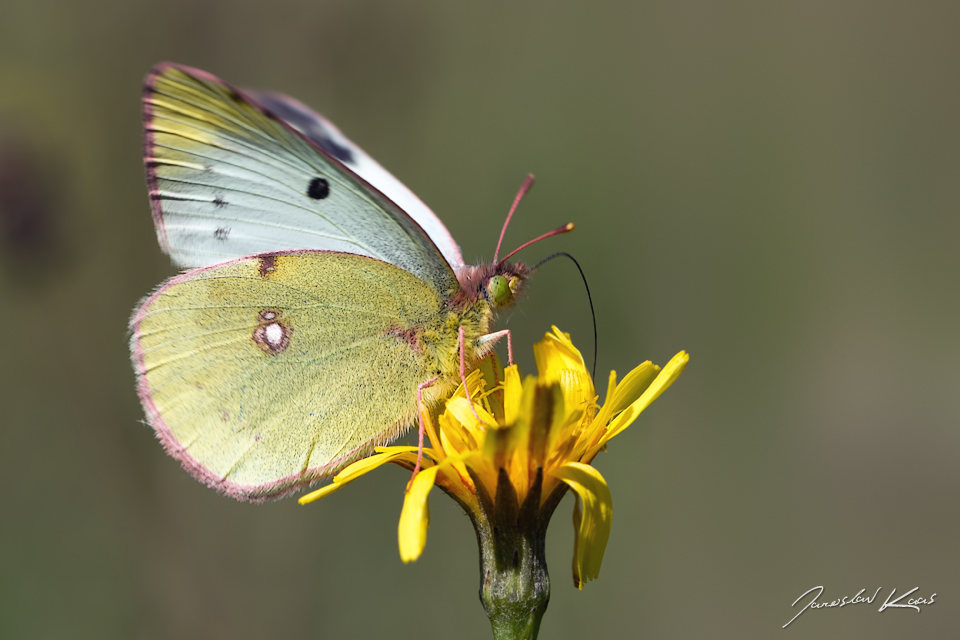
(423, 428)
(491, 338)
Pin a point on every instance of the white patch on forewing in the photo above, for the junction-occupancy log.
(268, 315)
(274, 334)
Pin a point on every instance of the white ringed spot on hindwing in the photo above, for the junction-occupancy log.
(272, 334)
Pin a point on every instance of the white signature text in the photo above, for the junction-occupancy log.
(889, 603)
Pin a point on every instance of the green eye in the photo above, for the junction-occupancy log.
(499, 290)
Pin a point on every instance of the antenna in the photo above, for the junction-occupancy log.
(556, 232)
(589, 299)
(527, 184)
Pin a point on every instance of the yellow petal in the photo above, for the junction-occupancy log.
(454, 438)
(670, 372)
(455, 479)
(512, 393)
(392, 454)
(460, 410)
(632, 385)
(452, 476)
(555, 353)
(596, 426)
(415, 517)
(322, 492)
(593, 528)
(493, 374)
(559, 361)
(355, 470)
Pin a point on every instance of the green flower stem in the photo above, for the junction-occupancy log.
(514, 583)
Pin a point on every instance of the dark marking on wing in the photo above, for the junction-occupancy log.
(319, 189)
(306, 123)
(219, 202)
(166, 196)
(267, 315)
(267, 265)
(222, 233)
(338, 151)
(409, 335)
(236, 97)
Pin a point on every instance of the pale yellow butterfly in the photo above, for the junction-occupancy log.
(325, 304)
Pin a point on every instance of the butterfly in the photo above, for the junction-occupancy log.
(324, 304)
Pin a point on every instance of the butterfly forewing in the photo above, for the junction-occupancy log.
(229, 179)
(266, 373)
(328, 137)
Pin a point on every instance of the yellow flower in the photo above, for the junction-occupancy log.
(534, 439)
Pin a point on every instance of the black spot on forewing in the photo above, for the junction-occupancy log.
(236, 97)
(219, 202)
(222, 233)
(318, 189)
(267, 265)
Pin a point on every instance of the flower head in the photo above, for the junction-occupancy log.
(509, 459)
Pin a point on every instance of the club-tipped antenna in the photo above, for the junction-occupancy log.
(567, 228)
(527, 184)
(589, 299)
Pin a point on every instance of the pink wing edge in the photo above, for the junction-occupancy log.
(157, 212)
(245, 493)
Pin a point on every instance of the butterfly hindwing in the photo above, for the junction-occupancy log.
(228, 179)
(265, 373)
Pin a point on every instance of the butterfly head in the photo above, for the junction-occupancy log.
(503, 286)
(496, 285)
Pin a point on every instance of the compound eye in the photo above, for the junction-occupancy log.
(498, 290)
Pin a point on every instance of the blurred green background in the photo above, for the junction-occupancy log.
(773, 187)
